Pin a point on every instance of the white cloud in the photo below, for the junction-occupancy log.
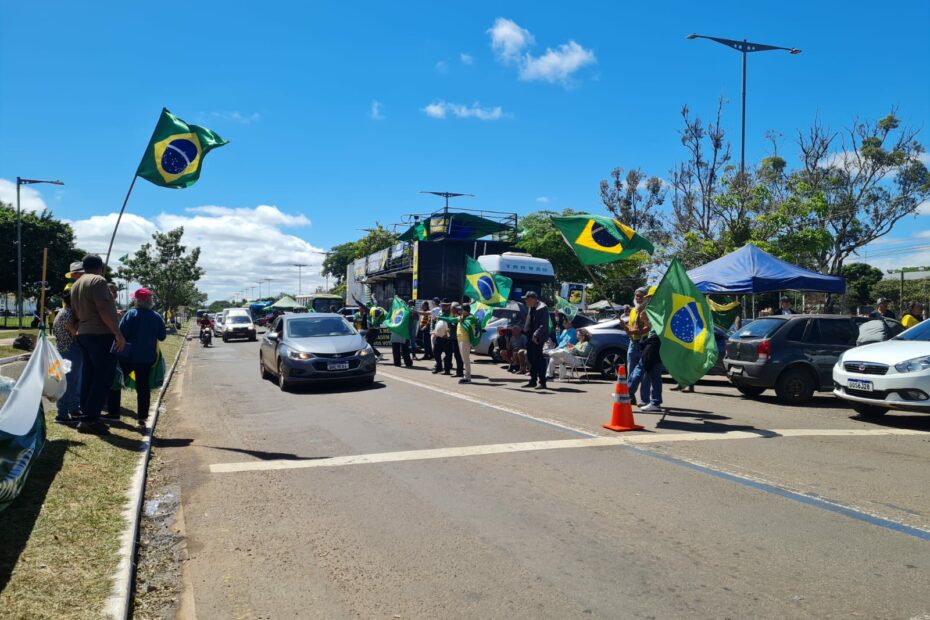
(924, 208)
(442, 66)
(508, 40)
(237, 117)
(557, 65)
(29, 198)
(377, 110)
(440, 109)
(542, 199)
(238, 246)
(466, 58)
(510, 43)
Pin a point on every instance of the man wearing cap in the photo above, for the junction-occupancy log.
(97, 333)
(882, 310)
(536, 328)
(784, 306)
(636, 326)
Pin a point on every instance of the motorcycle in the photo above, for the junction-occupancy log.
(206, 336)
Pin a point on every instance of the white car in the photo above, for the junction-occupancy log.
(894, 374)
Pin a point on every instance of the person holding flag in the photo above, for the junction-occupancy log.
(402, 324)
(682, 326)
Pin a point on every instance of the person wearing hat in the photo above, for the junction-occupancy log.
(75, 271)
(456, 310)
(98, 335)
(882, 311)
(646, 374)
(467, 333)
(785, 306)
(69, 405)
(636, 326)
(536, 328)
(143, 327)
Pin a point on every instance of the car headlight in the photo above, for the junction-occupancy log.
(914, 365)
(299, 355)
(365, 352)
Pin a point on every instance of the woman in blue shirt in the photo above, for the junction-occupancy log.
(567, 338)
(143, 328)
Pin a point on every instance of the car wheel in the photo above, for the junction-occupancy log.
(869, 411)
(608, 361)
(264, 371)
(750, 390)
(283, 383)
(225, 339)
(795, 386)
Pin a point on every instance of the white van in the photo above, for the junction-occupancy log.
(237, 323)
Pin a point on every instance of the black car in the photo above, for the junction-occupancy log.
(793, 354)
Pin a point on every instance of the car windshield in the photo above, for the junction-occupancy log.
(238, 319)
(919, 333)
(317, 327)
(760, 328)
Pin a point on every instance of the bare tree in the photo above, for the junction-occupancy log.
(874, 179)
(635, 201)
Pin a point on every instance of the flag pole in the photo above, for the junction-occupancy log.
(118, 218)
(561, 234)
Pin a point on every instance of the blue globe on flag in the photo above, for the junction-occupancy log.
(686, 323)
(485, 287)
(178, 156)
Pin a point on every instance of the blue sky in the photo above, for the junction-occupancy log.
(293, 85)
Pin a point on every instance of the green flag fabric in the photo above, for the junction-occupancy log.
(174, 156)
(682, 319)
(484, 314)
(484, 287)
(398, 321)
(725, 312)
(597, 239)
(568, 309)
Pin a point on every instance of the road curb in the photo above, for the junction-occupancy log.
(118, 603)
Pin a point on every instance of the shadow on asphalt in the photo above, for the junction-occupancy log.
(705, 426)
(902, 420)
(20, 517)
(269, 456)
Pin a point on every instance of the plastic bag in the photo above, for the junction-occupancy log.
(57, 369)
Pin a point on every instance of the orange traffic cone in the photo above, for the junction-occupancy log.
(622, 417)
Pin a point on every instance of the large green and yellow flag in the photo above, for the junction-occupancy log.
(597, 239)
(681, 317)
(485, 287)
(174, 156)
(398, 322)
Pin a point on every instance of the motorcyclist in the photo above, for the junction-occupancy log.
(205, 324)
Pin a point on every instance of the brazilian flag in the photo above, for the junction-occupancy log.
(682, 319)
(398, 321)
(566, 308)
(484, 287)
(597, 239)
(175, 153)
(484, 313)
(724, 312)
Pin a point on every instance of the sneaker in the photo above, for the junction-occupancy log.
(464, 380)
(677, 388)
(109, 417)
(448, 373)
(541, 386)
(68, 419)
(531, 384)
(436, 371)
(94, 427)
(650, 408)
(690, 388)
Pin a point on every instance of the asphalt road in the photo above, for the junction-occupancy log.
(422, 498)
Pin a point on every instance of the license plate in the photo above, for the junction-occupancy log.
(859, 384)
(338, 366)
(736, 370)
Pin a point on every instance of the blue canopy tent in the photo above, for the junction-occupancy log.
(751, 270)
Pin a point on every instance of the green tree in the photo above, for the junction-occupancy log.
(40, 230)
(635, 200)
(860, 279)
(168, 269)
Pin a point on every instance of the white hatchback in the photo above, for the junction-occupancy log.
(894, 374)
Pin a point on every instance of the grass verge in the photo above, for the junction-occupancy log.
(61, 536)
(13, 332)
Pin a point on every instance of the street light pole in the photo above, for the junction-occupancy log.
(298, 265)
(744, 47)
(19, 243)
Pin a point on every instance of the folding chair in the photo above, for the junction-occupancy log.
(584, 364)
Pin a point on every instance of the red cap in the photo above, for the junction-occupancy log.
(142, 294)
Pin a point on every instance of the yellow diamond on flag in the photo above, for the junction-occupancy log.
(177, 155)
(687, 325)
(595, 236)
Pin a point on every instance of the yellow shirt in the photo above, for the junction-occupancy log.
(632, 323)
(909, 320)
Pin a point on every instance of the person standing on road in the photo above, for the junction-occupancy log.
(143, 327)
(637, 331)
(882, 310)
(467, 335)
(453, 339)
(97, 333)
(915, 314)
(442, 348)
(425, 334)
(785, 306)
(536, 328)
(69, 405)
(400, 342)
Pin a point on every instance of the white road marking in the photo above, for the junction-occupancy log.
(532, 446)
